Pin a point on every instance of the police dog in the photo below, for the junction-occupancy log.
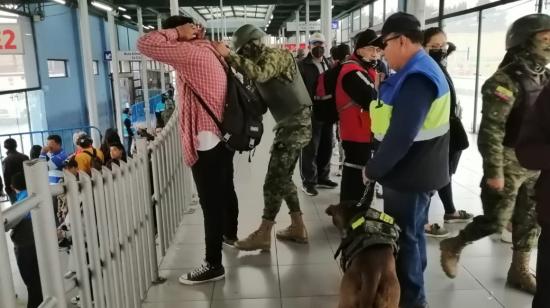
(370, 280)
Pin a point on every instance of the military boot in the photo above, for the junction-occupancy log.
(450, 254)
(259, 239)
(519, 276)
(296, 231)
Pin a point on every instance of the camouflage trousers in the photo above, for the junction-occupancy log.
(278, 185)
(515, 201)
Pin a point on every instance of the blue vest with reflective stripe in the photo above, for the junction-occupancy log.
(436, 123)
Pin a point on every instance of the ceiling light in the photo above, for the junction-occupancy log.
(120, 8)
(60, 1)
(102, 6)
(127, 17)
(8, 20)
(3, 13)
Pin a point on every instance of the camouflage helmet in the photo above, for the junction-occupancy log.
(523, 29)
(246, 34)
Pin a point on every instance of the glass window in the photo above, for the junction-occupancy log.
(345, 30)
(125, 67)
(95, 67)
(452, 6)
(17, 57)
(378, 13)
(57, 69)
(14, 119)
(356, 24)
(392, 6)
(462, 31)
(432, 9)
(365, 17)
(339, 32)
(136, 65)
(495, 23)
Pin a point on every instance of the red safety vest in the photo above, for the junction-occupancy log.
(355, 123)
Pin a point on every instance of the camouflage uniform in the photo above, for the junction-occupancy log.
(500, 93)
(274, 73)
(292, 132)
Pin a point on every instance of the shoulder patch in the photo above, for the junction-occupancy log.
(503, 93)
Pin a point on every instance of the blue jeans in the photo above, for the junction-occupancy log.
(410, 210)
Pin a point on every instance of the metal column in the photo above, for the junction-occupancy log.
(7, 291)
(144, 79)
(418, 9)
(174, 7)
(162, 77)
(245, 16)
(298, 38)
(222, 15)
(114, 66)
(307, 22)
(326, 23)
(86, 53)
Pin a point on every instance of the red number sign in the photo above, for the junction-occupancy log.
(10, 39)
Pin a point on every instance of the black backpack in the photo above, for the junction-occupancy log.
(241, 127)
(324, 101)
(96, 163)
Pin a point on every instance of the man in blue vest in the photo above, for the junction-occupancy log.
(411, 120)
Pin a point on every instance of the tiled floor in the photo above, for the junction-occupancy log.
(307, 276)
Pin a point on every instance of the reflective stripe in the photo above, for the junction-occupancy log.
(365, 79)
(322, 98)
(354, 166)
(424, 134)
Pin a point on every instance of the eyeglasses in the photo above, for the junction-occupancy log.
(385, 42)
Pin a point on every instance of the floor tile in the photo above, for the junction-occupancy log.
(248, 303)
(311, 302)
(310, 280)
(173, 291)
(461, 299)
(312, 253)
(248, 282)
(178, 304)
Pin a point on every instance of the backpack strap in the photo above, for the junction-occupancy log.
(211, 114)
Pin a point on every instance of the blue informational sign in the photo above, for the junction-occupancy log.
(107, 55)
(334, 25)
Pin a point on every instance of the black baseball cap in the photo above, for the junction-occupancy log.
(401, 23)
(367, 38)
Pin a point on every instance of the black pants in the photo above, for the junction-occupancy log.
(446, 192)
(27, 262)
(356, 157)
(315, 158)
(213, 175)
(542, 298)
(160, 120)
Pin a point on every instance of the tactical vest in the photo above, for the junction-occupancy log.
(365, 230)
(529, 91)
(284, 98)
(355, 122)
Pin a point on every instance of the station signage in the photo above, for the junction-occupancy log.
(11, 39)
(313, 26)
(129, 55)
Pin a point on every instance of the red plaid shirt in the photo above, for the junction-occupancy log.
(198, 67)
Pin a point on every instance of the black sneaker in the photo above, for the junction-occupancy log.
(202, 274)
(229, 241)
(310, 190)
(327, 184)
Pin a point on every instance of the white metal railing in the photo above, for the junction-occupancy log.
(113, 225)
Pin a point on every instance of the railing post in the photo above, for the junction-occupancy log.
(45, 233)
(7, 291)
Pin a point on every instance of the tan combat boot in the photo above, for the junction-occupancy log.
(519, 276)
(296, 231)
(259, 239)
(450, 255)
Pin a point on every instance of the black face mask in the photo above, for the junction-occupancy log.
(439, 55)
(318, 51)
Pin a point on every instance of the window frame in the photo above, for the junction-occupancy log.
(95, 67)
(66, 68)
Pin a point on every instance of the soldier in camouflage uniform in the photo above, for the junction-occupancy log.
(275, 75)
(507, 189)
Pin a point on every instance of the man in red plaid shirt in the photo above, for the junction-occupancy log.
(200, 72)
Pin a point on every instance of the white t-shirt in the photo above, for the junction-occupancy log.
(207, 140)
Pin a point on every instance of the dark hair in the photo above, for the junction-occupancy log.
(176, 21)
(36, 150)
(71, 163)
(10, 144)
(126, 110)
(84, 141)
(430, 32)
(341, 52)
(18, 181)
(111, 136)
(417, 37)
(56, 139)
